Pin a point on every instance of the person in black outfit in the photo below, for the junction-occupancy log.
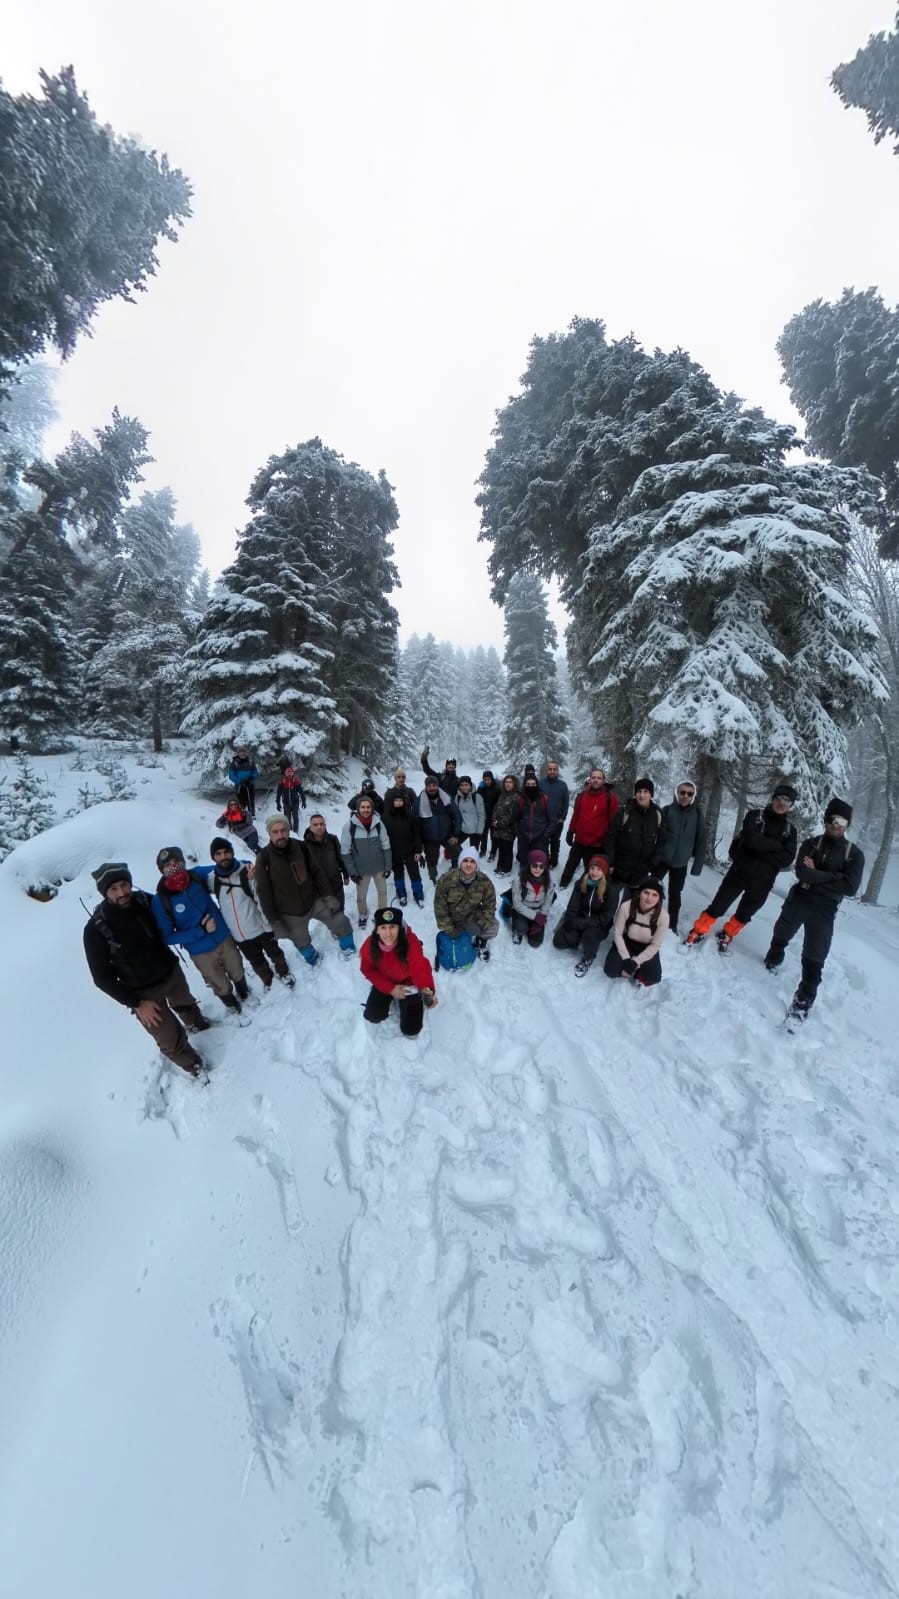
(633, 841)
(764, 846)
(130, 961)
(367, 790)
(324, 849)
(588, 915)
(405, 849)
(488, 788)
(447, 779)
(829, 869)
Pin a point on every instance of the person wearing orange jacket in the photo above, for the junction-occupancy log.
(395, 964)
(591, 819)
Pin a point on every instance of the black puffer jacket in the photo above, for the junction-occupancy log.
(764, 846)
(634, 841)
(838, 869)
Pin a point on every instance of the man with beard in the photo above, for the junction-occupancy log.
(293, 890)
(324, 848)
(594, 811)
(130, 961)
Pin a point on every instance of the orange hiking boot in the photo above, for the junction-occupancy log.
(702, 925)
(728, 933)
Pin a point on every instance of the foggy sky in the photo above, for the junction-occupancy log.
(391, 198)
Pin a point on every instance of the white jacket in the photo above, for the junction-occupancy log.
(240, 910)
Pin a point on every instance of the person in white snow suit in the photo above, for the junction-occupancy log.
(365, 846)
(530, 898)
(640, 927)
(683, 840)
(231, 883)
(187, 915)
(588, 914)
(472, 815)
(465, 902)
(130, 961)
(289, 794)
(828, 869)
(293, 890)
(764, 846)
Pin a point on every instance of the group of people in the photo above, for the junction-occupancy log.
(234, 910)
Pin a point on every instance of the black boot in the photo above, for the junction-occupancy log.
(200, 1025)
(241, 988)
(231, 1002)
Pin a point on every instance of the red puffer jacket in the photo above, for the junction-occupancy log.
(390, 970)
(592, 816)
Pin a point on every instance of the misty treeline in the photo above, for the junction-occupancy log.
(730, 587)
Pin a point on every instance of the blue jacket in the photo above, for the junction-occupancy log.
(556, 798)
(246, 772)
(179, 917)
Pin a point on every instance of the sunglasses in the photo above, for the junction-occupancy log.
(840, 822)
(685, 793)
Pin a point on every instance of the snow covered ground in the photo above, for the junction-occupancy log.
(583, 1293)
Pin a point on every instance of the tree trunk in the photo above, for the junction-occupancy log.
(882, 858)
(708, 779)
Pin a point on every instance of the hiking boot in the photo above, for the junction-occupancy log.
(362, 922)
(288, 978)
(231, 1002)
(200, 1026)
(582, 968)
(693, 937)
(724, 941)
(516, 938)
(241, 988)
(771, 966)
(196, 1068)
(402, 899)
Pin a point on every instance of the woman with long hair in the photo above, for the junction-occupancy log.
(531, 895)
(395, 964)
(640, 928)
(505, 821)
(588, 915)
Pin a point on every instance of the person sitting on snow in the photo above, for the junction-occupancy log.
(235, 818)
(588, 914)
(640, 927)
(396, 966)
(465, 902)
(530, 898)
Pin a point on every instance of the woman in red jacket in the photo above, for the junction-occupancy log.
(397, 968)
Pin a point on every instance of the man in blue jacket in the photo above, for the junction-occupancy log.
(244, 774)
(829, 869)
(437, 826)
(556, 792)
(187, 914)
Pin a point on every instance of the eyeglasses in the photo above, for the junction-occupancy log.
(781, 799)
(840, 822)
(685, 793)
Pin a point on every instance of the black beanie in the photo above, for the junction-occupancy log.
(650, 882)
(784, 791)
(220, 843)
(838, 807)
(110, 872)
(645, 782)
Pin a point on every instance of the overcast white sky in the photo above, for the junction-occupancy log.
(392, 196)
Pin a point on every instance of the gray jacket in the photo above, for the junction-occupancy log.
(471, 810)
(366, 850)
(683, 836)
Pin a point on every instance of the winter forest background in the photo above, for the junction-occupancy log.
(731, 586)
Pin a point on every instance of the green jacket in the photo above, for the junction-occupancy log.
(460, 904)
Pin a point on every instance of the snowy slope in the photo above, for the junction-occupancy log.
(584, 1292)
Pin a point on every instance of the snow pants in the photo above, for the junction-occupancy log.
(504, 849)
(650, 971)
(580, 932)
(578, 857)
(412, 1010)
(677, 876)
(528, 928)
(256, 949)
(734, 884)
(291, 804)
(246, 796)
(401, 865)
(178, 1008)
(220, 967)
(553, 841)
(816, 917)
(432, 854)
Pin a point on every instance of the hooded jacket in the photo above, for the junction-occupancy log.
(505, 813)
(589, 902)
(633, 841)
(366, 850)
(471, 812)
(592, 816)
(837, 873)
(683, 835)
(764, 846)
(238, 904)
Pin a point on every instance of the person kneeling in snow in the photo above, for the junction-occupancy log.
(640, 928)
(395, 964)
(186, 914)
(530, 896)
(130, 961)
(231, 883)
(465, 902)
(588, 915)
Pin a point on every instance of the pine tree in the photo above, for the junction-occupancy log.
(841, 362)
(300, 624)
(871, 82)
(81, 211)
(28, 807)
(487, 707)
(432, 702)
(536, 725)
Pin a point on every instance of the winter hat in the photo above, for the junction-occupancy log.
(838, 807)
(651, 882)
(601, 862)
(271, 820)
(465, 779)
(784, 791)
(170, 853)
(537, 857)
(530, 770)
(220, 843)
(366, 786)
(110, 872)
(432, 783)
(390, 915)
(469, 854)
(644, 782)
(488, 773)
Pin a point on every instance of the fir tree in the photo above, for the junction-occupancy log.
(841, 362)
(28, 807)
(487, 707)
(536, 724)
(871, 82)
(431, 704)
(81, 211)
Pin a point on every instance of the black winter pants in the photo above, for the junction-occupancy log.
(577, 858)
(291, 803)
(582, 932)
(432, 854)
(816, 917)
(412, 1010)
(528, 928)
(256, 949)
(734, 884)
(650, 971)
(504, 848)
(552, 843)
(246, 796)
(677, 876)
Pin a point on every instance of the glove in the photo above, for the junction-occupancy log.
(345, 879)
(540, 919)
(629, 968)
(569, 837)
(388, 871)
(354, 879)
(479, 941)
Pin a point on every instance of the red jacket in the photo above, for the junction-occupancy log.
(592, 816)
(390, 970)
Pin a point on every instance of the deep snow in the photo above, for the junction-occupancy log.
(585, 1292)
